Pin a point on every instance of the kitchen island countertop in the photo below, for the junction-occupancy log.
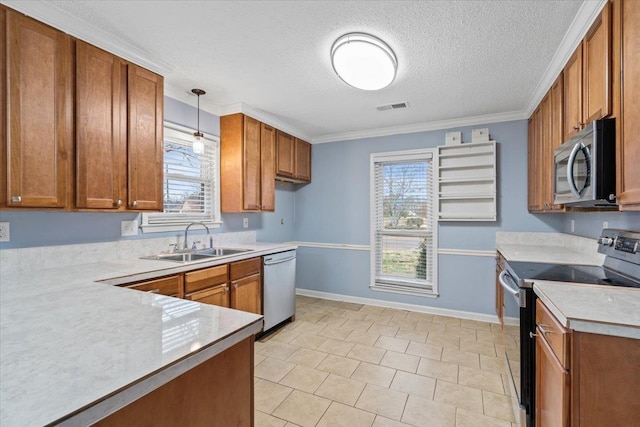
(74, 350)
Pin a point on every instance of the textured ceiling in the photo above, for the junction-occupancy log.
(457, 59)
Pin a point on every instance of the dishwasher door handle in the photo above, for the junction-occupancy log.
(515, 293)
(269, 261)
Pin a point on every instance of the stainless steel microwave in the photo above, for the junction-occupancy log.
(585, 167)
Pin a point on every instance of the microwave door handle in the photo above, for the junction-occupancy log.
(572, 158)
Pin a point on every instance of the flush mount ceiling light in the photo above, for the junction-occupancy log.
(198, 143)
(364, 61)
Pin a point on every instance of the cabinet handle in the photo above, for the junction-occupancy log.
(235, 286)
(543, 330)
(153, 291)
(532, 335)
(576, 128)
(226, 289)
(135, 203)
(16, 199)
(119, 203)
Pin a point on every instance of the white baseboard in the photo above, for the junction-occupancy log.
(490, 318)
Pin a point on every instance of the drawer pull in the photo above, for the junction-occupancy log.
(153, 291)
(532, 335)
(226, 289)
(16, 199)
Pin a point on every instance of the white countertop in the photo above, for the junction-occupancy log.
(76, 350)
(606, 310)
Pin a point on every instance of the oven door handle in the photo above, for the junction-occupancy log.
(515, 293)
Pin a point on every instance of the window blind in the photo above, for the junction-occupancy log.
(189, 181)
(404, 223)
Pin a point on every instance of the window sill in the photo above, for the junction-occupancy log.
(404, 291)
(161, 228)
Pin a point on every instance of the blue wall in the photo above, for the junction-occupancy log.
(334, 208)
(39, 228)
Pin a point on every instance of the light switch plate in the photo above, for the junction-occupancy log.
(245, 222)
(5, 235)
(129, 228)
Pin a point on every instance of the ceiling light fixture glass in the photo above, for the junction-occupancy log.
(198, 143)
(364, 61)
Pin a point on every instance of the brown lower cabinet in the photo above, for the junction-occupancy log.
(236, 285)
(218, 392)
(500, 266)
(584, 379)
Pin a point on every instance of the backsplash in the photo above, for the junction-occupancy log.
(24, 259)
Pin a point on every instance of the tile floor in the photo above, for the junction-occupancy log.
(344, 364)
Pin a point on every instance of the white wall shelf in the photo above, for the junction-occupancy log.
(467, 182)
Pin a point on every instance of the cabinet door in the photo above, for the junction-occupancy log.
(171, 285)
(530, 164)
(557, 117)
(597, 68)
(628, 143)
(246, 294)
(251, 164)
(100, 128)
(218, 295)
(552, 387)
(534, 190)
(546, 165)
(268, 167)
(285, 162)
(303, 160)
(3, 106)
(499, 290)
(40, 113)
(573, 94)
(145, 146)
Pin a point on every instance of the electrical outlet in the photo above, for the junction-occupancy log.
(605, 224)
(245, 222)
(5, 234)
(573, 226)
(129, 228)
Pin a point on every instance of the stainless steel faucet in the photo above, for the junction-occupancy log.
(186, 231)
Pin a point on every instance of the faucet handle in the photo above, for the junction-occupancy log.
(195, 244)
(174, 247)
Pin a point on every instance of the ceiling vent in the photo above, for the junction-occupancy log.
(394, 106)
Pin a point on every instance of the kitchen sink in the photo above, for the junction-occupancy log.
(196, 255)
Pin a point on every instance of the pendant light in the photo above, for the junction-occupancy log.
(198, 143)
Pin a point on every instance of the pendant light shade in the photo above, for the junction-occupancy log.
(198, 143)
(364, 61)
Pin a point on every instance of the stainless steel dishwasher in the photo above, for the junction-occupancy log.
(279, 287)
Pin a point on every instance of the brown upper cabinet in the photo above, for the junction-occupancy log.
(119, 145)
(587, 77)
(294, 159)
(115, 112)
(100, 128)
(39, 103)
(303, 161)
(285, 164)
(246, 164)
(145, 146)
(628, 143)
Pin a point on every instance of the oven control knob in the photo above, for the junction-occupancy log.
(605, 241)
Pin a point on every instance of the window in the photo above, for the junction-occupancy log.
(191, 183)
(403, 225)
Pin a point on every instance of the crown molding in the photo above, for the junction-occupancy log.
(422, 127)
(583, 20)
(264, 117)
(48, 13)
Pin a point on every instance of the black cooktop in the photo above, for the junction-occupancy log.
(589, 274)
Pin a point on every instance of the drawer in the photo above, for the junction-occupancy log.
(218, 295)
(205, 278)
(556, 335)
(166, 286)
(245, 268)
